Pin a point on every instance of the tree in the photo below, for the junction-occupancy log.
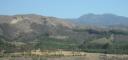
(106, 47)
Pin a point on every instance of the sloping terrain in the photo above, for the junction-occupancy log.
(29, 32)
(30, 26)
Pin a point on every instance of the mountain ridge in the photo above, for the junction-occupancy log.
(103, 19)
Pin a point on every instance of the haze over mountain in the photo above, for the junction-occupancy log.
(102, 19)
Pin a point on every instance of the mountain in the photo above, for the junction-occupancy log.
(30, 31)
(30, 26)
(102, 19)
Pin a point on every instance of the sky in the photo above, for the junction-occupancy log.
(63, 8)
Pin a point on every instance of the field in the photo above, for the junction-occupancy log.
(65, 55)
(88, 57)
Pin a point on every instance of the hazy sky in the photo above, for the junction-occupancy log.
(63, 8)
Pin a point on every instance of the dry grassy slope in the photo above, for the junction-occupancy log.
(30, 25)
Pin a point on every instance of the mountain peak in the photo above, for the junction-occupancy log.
(102, 19)
(89, 14)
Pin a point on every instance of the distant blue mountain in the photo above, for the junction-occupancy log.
(102, 19)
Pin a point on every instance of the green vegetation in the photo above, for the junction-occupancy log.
(6, 46)
(88, 40)
(111, 41)
(51, 43)
(121, 32)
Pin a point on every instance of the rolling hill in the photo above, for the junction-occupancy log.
(90, 32)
